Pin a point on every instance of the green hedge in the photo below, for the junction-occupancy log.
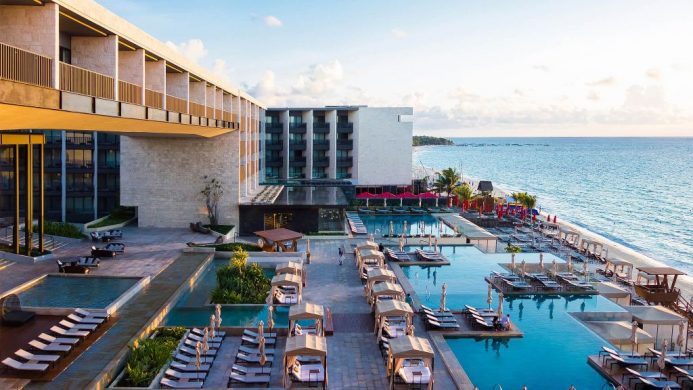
(62, 229)
(234, 246)
(240, 282)
(150, 355)
(221, 229)
(119, 215)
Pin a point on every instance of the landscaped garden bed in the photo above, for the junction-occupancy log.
(240, 282)
(119, 217)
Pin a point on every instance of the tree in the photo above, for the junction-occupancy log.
(464, 194)
(447, 180)
(211, 193)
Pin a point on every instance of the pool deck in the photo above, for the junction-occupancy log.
(537, 289)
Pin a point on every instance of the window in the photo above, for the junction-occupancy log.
(278, 220)
(343, 173)
(320, 137)
(318, 118)
(109, 158)
(296, 173)
(80, 182)
(319, 173)
(343, 154)
(295, 119)
(65, 55)
(79, 158)
(294, 137)
(79, 138)
(272, 172)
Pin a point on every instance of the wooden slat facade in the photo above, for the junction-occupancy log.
(24, 66)
(79, 80)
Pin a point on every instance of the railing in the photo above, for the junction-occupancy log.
(153, 99)
(177, 104)
(197, 109)
(210, 112)
(217, 114)
(228, 116)
(24, 66)
(129, 93)
(79, 80)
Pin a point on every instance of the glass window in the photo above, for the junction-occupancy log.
(278, 220)
(330, 220)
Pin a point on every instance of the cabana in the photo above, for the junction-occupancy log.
(291, 267)
(551, 229)
(410, 361)
(386, 309)
(368, 245)
(370, 257)
(386, 289)
(621, 269)
(377, 275)
(286, 289)
(593, 248)
(568, 236)
(277, 240)
(659, 321)
(305, 345)
(656, 288)
(307, 311)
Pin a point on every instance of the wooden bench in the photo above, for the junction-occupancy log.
(329, 325)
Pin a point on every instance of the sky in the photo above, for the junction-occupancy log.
(469, 68)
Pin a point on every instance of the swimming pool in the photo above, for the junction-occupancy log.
(193, 307)
(68, 291)
(553, 352)
(415, 225)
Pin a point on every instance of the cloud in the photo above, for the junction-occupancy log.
(318, 79)
(654, 73)
(194, 49)
(542, 68)
(220, 69)
(605, 82)
(592, 95)
(272, 21)
(398, 33)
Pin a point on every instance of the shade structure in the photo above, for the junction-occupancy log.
(377, 275)
(386, 289)
(391, 308)
(386, 195)
(369, 257)
(291, 267)
(276, 240)
(409, 347)
(287, 280)
(427, 195)
(407, 195)
(304, 345)
(365, 195)
(307, 311)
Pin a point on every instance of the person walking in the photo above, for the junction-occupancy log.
(341, 258)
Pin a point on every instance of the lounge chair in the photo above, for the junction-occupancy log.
(650, 375)
(92, 313)
(193, 344)
(197, 376)
(437, 314)
(680, 373)
(505, 276)
(182, 367)
(253, 334)
(426, 308)
(444, 320)
(54, 347)
(245, 358)
(308, 373)
(174, 384)
(679, 362)
(442, 325)
(627, 361)
(417, 210)
(521, 285)
(71, 269)
(251, 351)
(251, 370)
(249, 379)
(485, 324)
(195, 337)
(191, 359)
(69, 325)
(101, 252)
(219, 334)
(365, 211)
(399, 210)
(37, 358)
(85, 320)
(192, 352)
(254, 340)
(117, 247)
(383, 211)
(658, 384)
(58, 340)
(24, 366)
(69, 333)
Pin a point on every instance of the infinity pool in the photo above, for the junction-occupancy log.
(94, 292)
(553, 352)
(405, 224)
(193, 307)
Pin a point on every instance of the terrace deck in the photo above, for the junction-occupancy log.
(537, 289)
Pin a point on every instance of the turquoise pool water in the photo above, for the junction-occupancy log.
(415, 224)
(553, 352)
(193, 308)
(94, 292)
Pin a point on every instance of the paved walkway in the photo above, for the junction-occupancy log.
(132, 317)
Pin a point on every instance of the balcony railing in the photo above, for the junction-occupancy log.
(197, 109)
(217, 114)
(129, 93)
(177, 104)
(227, 116)
(24, 66)
(210, 112)
(79, 80)
(153, 99)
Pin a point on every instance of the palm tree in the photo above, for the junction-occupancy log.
(464, 194)
(446, 181)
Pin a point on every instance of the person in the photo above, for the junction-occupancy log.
(496, 324)
(505, 322)
(341, 251)
(408, 299)
(341, 258)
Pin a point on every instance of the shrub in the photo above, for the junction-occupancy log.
(221, 229)
(62, 229)
(234, 246)
(240, 282)
(175, 332)
(119, 215)
(510, 248)
(146, 359)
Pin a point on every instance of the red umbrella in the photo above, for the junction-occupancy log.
(406, 195)
(428, 195)
(554, 219)
(548, 218)
(365, 195)
(387, 195)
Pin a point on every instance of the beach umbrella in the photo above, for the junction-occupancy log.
(261, 328)
(308, 244)
(681, 338)
(410, 329)
(430, 244)
(205, 340)
(661, 360)
(212, 324)
(217, 310)
(512, 262)
(570, 263)
(401, 243)
(541, 262)
(634, 334)
(524, 269)
(489, 297)
(198, 355)
(586, 271)
(548, 218)
(500, 304)
(554, 219)
(554, 265)
(435, 241)
(270, 318)
(443, 294)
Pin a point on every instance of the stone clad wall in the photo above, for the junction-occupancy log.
(98, 54)
(31, 28)
(163, 178)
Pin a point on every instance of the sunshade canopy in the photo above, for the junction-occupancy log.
(287, 280)
(661, 271)
(291, 267)
(306, 311)
(370, 253)
(279, 235)
(411, 347)
(393, 308)
(387, 288)
(657, 315)
(379, 274)
(306, 344)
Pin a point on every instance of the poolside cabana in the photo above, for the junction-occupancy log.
(568, 236)
(613, 292)
(307, 311)
(377, 275)
(368, 245)
(619, 334)
(370, 257)
(659, 321)
(622, 269)
(286, 289)
(308, 374)
(278, 240)
(591, 247)
(410, 361)
(657, 287)
(386, 290)
(292, 267)
(392, 308)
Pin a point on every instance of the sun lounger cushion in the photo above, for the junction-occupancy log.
(414, 375)
(242, 378)
(181, 384)
(24, 366)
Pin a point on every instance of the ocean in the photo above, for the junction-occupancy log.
(634, 191)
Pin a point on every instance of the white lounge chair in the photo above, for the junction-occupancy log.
(58, 340)
(250, 333)
(195, 337)
(182, 367)
(70, 333)
(24, 366)
(191, 360)
(190, 351)
(251, 351)
(37, 358)
(85, 320)
(251, 370)
(180, 384)
(254, 341)
(185, 375)
(49, 347)
(69, 325)
(252, 358)
(193, 344)
(254, 379)
(217, 334)
(95, 313)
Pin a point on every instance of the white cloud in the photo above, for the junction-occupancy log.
(194, 49)
(398, 33)
(220, 69)
(654, 73)
(592, 95)
(542, 68)
(605, 82)
(319, 79)
(272, 21)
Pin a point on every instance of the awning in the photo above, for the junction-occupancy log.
(661, 271)
(393, 308)
(656, 315)
(380, 274)
(306, 344)
(287, 280)
(279, 235)
(411, 347)
(387, 288)
(291, 267)
(306, 311)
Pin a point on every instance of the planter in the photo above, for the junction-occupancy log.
(227, 237)
(87, 230)
(25, 259)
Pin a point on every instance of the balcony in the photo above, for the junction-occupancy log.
(321, 162)
(129, 93)
(345, 127)
(297, 128)
(274, 144)
(274, 128)
(345, 144)
(176, 104)
(321, 144)
(297, 162)
(321, 128)
(25, 67)
(72, 142)
(297, 145)
(154, 99)
(274, 162)
(85, 82)
(345, 162)
(344, 175)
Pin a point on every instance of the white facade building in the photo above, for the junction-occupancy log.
(366, 145)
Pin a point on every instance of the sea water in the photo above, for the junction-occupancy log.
(635, 191)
